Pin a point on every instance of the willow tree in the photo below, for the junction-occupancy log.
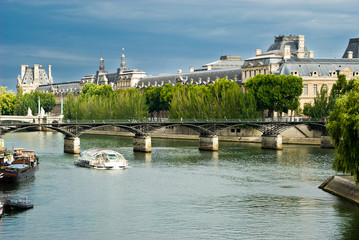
(343, 127)
(223, 99)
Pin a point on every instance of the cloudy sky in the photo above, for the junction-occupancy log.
(161, 36)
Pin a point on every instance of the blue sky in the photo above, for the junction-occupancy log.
(161, 36)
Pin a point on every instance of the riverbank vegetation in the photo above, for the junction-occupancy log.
(343, 127)
(220, 100)
(101, 102)
(19, 104)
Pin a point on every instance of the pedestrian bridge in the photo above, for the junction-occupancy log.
(31, 119)
(208, 140)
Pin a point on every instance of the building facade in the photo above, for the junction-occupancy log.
(289, 56)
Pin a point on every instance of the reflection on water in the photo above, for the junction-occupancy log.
(179, 192)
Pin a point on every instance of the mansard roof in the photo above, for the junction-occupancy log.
(212, 75)
(64, 87)
(324, 67)
(281, 41)
(224, 62)
(29, 76)
(353, 46)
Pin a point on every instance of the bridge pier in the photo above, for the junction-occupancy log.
(326, 142)
(72, 145)
(272, 142)
(208, 143)
(142, 143)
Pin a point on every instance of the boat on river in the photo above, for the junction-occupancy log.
(20, 205)
(99, 158)
(1, 209)
(18, 165)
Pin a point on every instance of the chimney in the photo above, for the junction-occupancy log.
(50, 75)
(191, 69)
(23, 70)
(300, 53)
(350, 54)
(36, 73)
(286, 51)
(311, 54)
(258, 52)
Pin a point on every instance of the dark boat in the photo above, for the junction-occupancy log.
(17, 166)
(1, 209)
(19, 205)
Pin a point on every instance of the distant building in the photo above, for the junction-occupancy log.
(287, 55)
(32, 77)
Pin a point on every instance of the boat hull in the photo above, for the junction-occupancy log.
(19, 175)
(10, 206)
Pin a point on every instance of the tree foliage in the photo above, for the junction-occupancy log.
(275, 93)
(31, 100)
(343, 127)
(223, 99)
(101, 102)
(7, 101)
(322, 105)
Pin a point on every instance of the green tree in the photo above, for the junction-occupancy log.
(343, 127)
(275, 93)
(223, 99)
(7, 101)
(321, 107)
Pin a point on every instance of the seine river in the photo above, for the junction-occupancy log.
(178, 192)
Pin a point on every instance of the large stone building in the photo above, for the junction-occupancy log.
(32, 77)
(288, 55)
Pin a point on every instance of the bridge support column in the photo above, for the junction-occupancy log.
(142, 144)
(326, 142)
(72, 145)
(208, 143)
(272, 142)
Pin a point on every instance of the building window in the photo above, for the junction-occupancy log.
(265, 71)
(315, 89)
(324, 87)
(305, 89)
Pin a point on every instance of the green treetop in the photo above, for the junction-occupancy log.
(275, 93)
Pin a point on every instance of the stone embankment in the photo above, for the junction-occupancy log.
(342, 186)
(286, 140)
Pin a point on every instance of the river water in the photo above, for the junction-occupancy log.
(178, 192)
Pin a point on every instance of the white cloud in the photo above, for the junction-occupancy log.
(40, 52)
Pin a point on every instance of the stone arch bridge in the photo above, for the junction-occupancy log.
(206, 129)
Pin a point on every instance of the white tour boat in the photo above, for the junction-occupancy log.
(101, 159)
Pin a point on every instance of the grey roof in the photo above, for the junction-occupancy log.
(279, 42)
(64, 87)
(212, 75)
(262, 60)
(224, 62)
(324, 67)
(29, 77)
(353, 46)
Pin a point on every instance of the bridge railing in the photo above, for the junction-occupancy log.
(191, 120)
